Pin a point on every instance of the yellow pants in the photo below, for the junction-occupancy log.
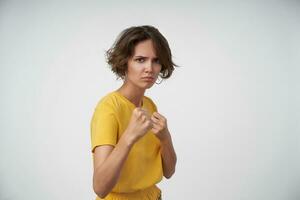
(150, 193)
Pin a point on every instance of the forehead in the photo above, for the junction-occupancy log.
(145, 48)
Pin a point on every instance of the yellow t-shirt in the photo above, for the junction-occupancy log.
(143, 167)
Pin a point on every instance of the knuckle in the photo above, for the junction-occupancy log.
(149, 123)
(139, 113)
(135, 111)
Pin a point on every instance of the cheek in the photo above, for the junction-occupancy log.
(135, 71)
(157, 69)
(133, 68)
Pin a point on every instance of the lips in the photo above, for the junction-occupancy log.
(148, 78)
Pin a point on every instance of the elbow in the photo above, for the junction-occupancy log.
(101, 195)
(100, 192)
(169, 174)
(100, 189)
(103, 186)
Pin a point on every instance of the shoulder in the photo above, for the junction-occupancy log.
(108, 101)
(151, 102)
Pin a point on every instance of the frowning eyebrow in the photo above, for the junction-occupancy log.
(138, 56)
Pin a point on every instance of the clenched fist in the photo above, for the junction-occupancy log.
(139, 124)
(159, 126)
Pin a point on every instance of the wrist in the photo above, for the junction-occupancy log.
(128, 139)
(165, 137)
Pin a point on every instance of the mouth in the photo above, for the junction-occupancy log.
(149, 79)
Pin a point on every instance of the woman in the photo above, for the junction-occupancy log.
(131, 144)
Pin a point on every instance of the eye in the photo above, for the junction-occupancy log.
(140, 60)
(157, 61)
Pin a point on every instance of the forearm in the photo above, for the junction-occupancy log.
(107, 174)
(169, 157)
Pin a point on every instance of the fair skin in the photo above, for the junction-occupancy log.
(109, 160)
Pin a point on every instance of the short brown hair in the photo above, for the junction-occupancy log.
(123, 48)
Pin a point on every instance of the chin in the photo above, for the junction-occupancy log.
(146, 86)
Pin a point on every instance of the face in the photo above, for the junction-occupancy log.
(144, 66)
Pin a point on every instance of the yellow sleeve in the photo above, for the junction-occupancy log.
(104, 126)
(153, 105)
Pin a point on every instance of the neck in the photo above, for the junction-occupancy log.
(132, 93)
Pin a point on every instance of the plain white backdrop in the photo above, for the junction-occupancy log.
(232, 106)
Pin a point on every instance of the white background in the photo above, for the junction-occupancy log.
(232, 106)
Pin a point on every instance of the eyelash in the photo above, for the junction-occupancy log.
(141, 60)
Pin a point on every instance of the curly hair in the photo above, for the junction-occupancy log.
(123, 48)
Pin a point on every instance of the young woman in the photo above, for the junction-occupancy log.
(131, 144)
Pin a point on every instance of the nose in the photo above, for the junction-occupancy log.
(148, 66)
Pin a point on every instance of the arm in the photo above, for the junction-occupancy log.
(108, 162)
(169, 158)
(168, 155)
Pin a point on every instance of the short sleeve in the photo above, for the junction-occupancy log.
(154, 107)
(104, 126)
